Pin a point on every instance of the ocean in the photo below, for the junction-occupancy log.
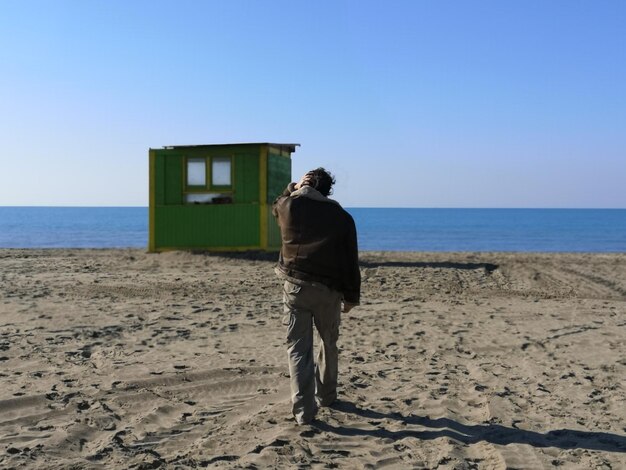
(524, 230)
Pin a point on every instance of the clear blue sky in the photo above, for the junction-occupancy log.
(410, 103)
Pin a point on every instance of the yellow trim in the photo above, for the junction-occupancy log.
(263, 197)
(151, 201)
(185, 158)
(207, 191)
(212, 248)
(208, 171)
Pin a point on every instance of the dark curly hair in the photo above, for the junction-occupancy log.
(322, 180)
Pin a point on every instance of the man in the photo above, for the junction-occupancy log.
(319, 264)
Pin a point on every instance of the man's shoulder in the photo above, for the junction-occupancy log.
(346, 214)
(330, 207)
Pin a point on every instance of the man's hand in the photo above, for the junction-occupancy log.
(347, 306)
(306, 180)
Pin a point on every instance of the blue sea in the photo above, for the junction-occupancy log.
(526, 230)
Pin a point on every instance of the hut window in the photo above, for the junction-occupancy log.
(220, 171)
(196, 172)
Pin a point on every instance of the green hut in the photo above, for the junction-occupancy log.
(216, 197)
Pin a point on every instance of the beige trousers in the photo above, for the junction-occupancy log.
(313, 384)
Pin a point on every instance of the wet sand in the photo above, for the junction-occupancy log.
(122, 359)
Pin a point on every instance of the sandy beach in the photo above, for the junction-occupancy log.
(122, 359)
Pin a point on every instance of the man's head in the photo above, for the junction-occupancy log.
(320, 179)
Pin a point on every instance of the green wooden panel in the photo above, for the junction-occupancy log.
(159, 186)
(273, 232)
(278, 175)
(246, 168)
(174, 179)
(168, 177)
(204, 226)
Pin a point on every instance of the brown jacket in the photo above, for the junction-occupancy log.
(319, 241)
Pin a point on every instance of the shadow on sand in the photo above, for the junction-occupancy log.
(270, 256)
(470, 434)
(488, 267)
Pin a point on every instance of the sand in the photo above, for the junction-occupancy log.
(122, 359)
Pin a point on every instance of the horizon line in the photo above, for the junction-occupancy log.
(346, 207)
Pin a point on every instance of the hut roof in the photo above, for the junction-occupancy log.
(289, 147)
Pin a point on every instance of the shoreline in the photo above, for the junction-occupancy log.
(116, 358)
(252, 254)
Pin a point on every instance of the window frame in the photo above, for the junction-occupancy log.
(208, 187)
(186, 175)
(217, 187)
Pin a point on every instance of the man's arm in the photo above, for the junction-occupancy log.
(352, 273)
(291, 187)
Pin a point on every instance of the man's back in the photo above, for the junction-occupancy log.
(318, 241)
